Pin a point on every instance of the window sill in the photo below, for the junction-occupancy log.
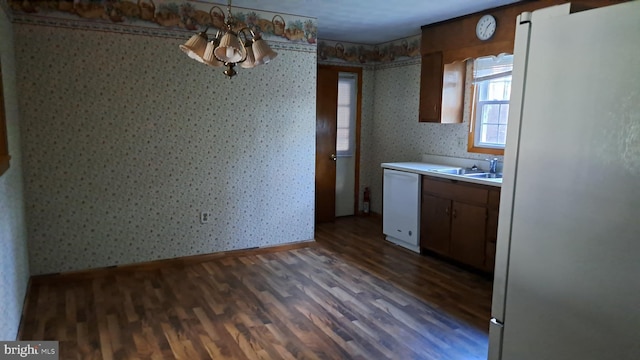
(4, 163)
(482, 150)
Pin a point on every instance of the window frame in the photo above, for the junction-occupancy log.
(477, 135)
(473, 122)
(353, 110)
(471, 141)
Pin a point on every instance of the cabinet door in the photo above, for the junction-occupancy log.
(431, 77)
(468, 233)
(492, 236)
(435, 224)
(453, 81)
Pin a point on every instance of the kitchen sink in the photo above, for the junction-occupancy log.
(460, 171)
(453, 171)
(484, 176)
(472, 173)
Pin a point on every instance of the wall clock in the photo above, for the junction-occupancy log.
(486, 27)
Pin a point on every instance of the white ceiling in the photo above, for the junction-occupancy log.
(371, 21)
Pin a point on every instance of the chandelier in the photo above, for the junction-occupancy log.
(229, 48)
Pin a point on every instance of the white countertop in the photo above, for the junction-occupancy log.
(427, 169)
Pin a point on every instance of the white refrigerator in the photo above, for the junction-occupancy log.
(567, 273)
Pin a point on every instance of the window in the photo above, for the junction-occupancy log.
(347, 101)
(491, 92)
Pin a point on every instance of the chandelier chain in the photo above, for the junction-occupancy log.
(230, 19)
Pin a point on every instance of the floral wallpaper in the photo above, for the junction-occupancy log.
(14, 262)
(127, 141)
(396, 132)
(149, 141)
(172, 14)
(367, 146)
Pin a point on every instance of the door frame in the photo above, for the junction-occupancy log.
(358, 71)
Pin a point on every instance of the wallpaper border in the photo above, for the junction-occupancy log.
(348, 53)
(136, 30)
(150, 16)
(373, 66)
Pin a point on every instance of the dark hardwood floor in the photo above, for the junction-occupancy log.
(350, 295)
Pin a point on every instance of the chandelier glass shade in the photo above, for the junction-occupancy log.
(229, 47)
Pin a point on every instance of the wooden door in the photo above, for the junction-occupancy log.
(468, 234)
(326, 117)
(435, 222)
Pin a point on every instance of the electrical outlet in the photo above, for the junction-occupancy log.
(204, 217)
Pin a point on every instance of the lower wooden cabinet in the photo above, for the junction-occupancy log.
(459, 220)
(435, 224)
(468, 226)
(492, 238)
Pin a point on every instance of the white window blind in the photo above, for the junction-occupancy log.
(492, 67)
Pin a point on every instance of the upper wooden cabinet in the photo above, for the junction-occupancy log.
(453, 83)
(445, 47)
(441, 89)
(431, 77)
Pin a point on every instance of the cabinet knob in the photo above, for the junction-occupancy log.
(446, 211)
(455, 213)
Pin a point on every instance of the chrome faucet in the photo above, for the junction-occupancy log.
(493, 165)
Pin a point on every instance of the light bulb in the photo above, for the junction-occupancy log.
(230, 52)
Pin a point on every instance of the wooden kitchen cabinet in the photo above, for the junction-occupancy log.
(492, 230)
(431, 80)
(441, 90)
(468, 234)
(459, 220)
(447, 44)
(435, 224)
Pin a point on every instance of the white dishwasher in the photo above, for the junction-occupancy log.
(401, 208)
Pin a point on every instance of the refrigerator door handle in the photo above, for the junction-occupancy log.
(520, 52)
(496, 329)
(525, 17)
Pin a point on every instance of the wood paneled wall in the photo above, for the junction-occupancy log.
(457, 40)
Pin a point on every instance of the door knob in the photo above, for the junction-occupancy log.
(333, 157)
